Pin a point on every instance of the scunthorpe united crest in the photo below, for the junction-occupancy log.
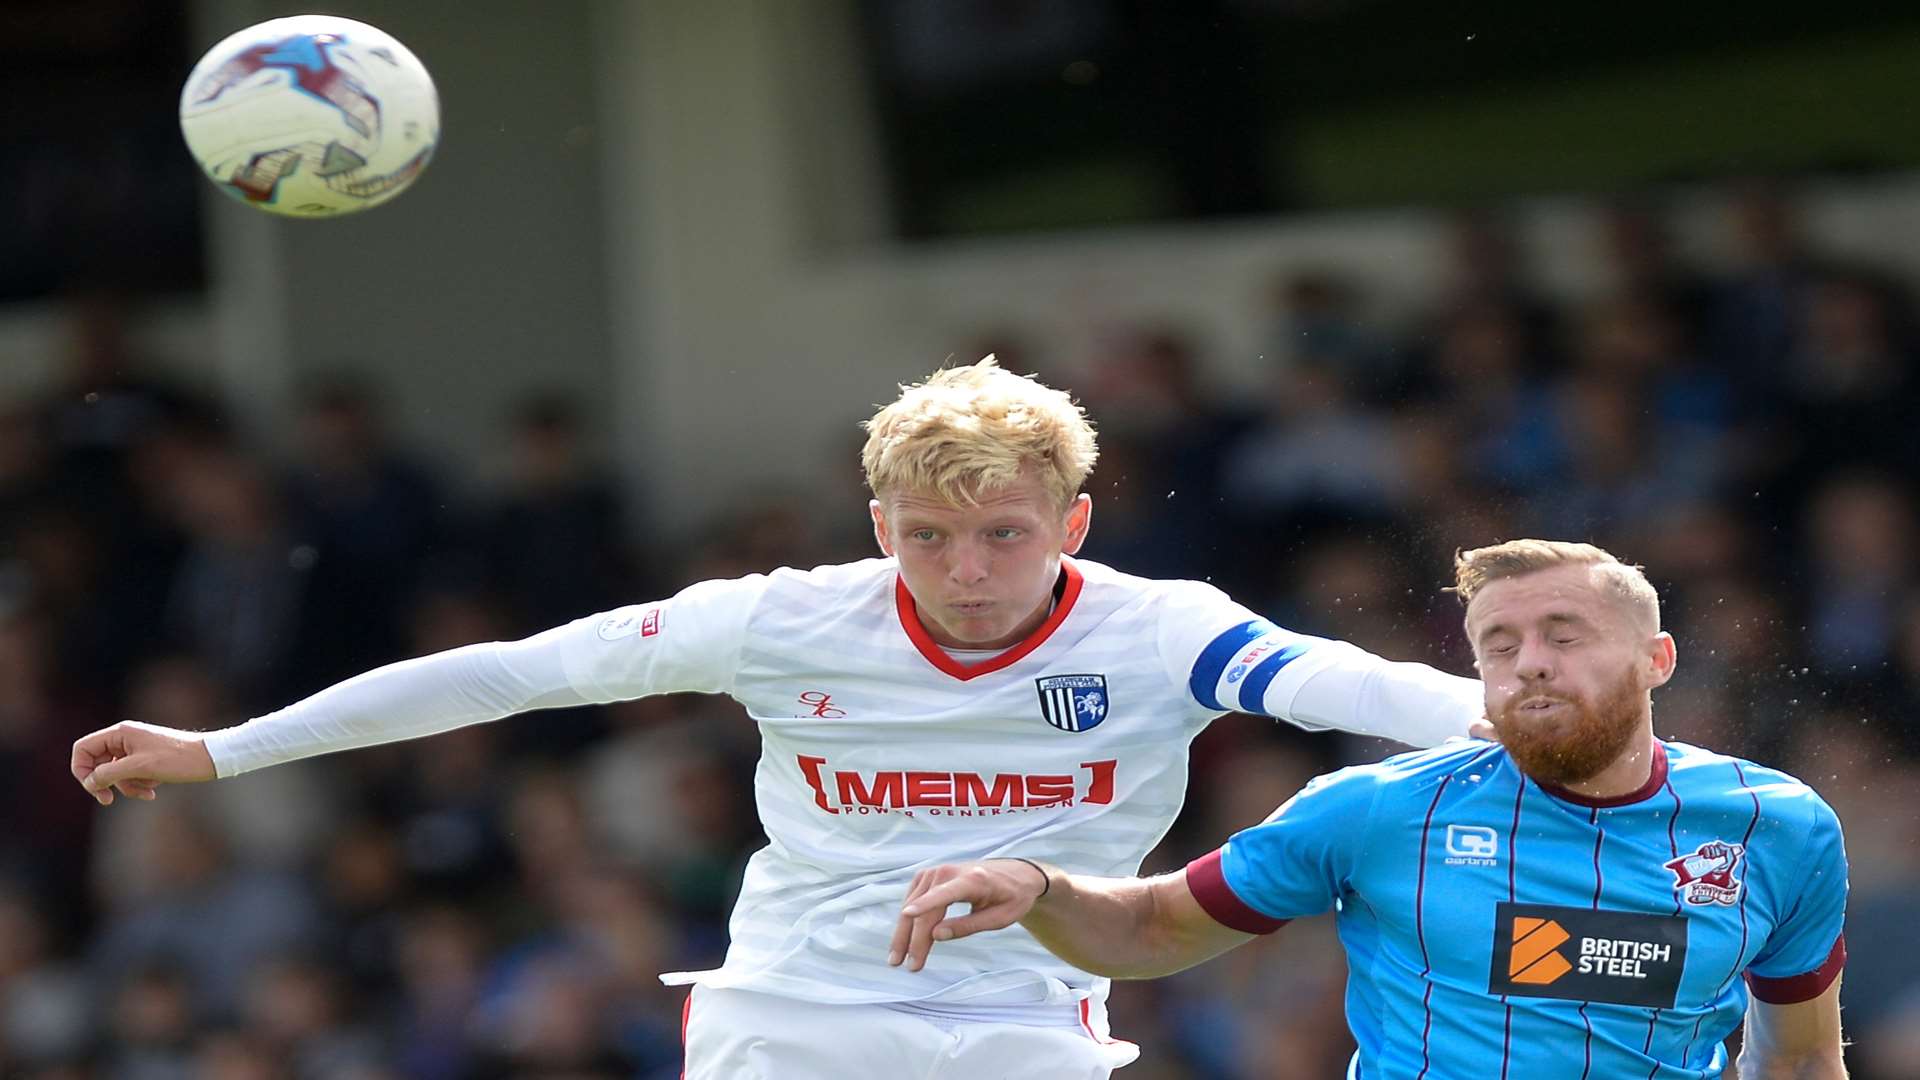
(1073, 702)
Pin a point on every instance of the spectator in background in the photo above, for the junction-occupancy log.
(1636, 253)
(40, 715)
(1316, 454)
(1710, 540)
(294, 1009)
(1754, 320)
(1318, 323)
(237, 595)
(443, 951)
(1479, 372)
(580, 992)
(1739, 665)
(175, 900)
(758, 525)
(1861, 533)
(24, 479)
(46, 1012)
(447, 812)
(1484, 268)
(104, 403)
(1357, 584)
(1637, 339)
(1143, 523)
(363, 888)
(1848, 394)
(1618, 470)
(232, 1054)
(373, 521)
(663, 795)
(1167, 435)
(150, 1019)
(104, 410)
(1903, 684)
(552, 538)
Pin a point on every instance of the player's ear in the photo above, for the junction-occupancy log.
(1079, 520)
(1661, 659)
(880, 526)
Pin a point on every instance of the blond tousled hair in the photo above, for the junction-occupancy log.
(1625, 583)
(968, 430)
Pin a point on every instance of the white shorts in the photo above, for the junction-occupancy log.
(743, 1035)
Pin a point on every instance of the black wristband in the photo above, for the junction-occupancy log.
(1046, 879)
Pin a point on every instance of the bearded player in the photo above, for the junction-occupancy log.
(1579, 899)
(976, 691)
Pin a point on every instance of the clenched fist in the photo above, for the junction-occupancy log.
(137, 758)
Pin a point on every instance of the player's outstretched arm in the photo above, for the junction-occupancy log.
(136, 758)
(1800, 1041)
(1356, 691)
(1125, 928)
(405, 700)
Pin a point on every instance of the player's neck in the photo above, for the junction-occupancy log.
(1629, 772)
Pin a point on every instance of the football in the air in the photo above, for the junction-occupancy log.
(311, 116)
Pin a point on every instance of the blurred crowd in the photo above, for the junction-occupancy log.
(497, 901)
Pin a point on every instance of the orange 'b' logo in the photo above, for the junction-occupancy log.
(1534, 960)
(1622, 957)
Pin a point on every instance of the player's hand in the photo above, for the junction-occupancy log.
(1482, 729)
(137, 758)
(1001, 892)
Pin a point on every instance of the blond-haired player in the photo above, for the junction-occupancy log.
(975, 691)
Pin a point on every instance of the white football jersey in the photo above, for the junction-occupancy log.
(883, 755)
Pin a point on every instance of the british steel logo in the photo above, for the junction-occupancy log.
(1536, 959)
(1587, 954)
(1073, 702)
(1710, 874)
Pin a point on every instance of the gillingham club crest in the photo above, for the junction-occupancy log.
(1073, 702)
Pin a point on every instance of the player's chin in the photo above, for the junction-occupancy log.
(978, 629)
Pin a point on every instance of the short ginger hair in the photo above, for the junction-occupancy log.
(1623, 582)
(971, 429)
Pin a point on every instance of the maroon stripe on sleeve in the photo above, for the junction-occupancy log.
(1797, 988)
(1209, 884)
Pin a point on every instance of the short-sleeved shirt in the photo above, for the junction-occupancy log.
(1498, 928)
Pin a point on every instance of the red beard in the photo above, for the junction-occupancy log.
(1570, 749)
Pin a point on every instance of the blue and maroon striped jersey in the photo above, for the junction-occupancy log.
(1498, 928)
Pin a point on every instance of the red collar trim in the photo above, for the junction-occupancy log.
(929, 648)
(1644, 791)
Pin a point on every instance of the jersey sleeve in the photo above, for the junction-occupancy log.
(1295, 863)
(1233, 660)
(1806, 950)
(690, 642)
